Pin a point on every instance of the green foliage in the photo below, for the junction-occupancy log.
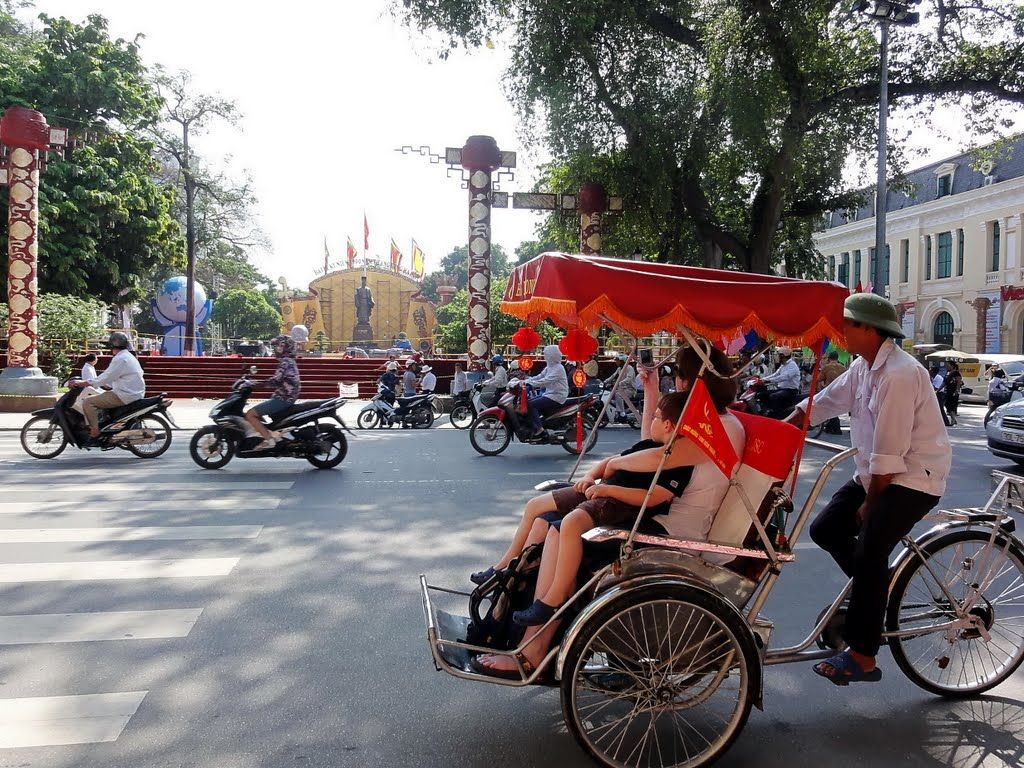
(455, 269)
(718, 119)
(451, 319)
(245, 313)
(104, 218)
(66, 323)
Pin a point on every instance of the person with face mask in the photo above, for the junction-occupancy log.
(555, 383)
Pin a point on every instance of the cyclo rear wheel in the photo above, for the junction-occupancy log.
(663, 676)
(959, 662)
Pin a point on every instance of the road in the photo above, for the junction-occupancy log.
(268, 615)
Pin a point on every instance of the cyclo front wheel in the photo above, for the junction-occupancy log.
(959, 661)
(664, 676)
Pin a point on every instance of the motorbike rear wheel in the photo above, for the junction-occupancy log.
(211, 447)
(461, 416)
(589, 435)
(162, 437)
(421, 417)
(333, 447)
(489, 435)
(42, 439)
(368, 419)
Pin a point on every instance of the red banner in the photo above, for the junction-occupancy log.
(366, 234)
(703, 426)
(350, 254)
(396, 257)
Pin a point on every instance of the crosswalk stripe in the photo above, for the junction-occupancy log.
(45, 721)
(125, 533)
(99, 488)
(99, 506)
(107, 625)
(103, 570)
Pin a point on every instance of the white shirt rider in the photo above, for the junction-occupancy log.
(428, 382)
(123, 376)
(787, 377)
(88, 371)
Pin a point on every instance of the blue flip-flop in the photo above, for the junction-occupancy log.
(846, 670)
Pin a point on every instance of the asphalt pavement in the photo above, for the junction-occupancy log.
(268, 614)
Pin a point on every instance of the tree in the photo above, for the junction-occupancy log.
(66, 323)
(451, 319)
(455, 268)
(105, 219)
(719, 119)
(246, 314)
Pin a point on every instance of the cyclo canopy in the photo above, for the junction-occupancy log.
(644, 297)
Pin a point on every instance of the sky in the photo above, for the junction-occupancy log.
(327, 92)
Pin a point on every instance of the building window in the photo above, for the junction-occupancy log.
(942, 331)
(945, 185)
(855, 277)
(994, 250)
(831, 267)
(904, 261)
(959, 252)
(944, 265)
(885, 270)
(873, 279)
(844, 270)
(927, 257)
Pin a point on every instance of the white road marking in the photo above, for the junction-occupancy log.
(109, 625)
(102, 570)
(31, 485)
(46, 721)
(141, 533)
(251, 503)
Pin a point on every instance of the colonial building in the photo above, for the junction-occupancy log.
(954, 260)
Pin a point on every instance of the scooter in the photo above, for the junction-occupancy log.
(140, 428)
(301, 435)
(614, 416)
(492, 431)
(385, 410)
(467, 405)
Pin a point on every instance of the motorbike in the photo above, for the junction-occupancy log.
(467, 405)
(140, 428)
(386, 410)
(301, 435)
(754, 399)
(492, 431)
(614, 416)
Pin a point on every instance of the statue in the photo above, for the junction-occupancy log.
(364, 302)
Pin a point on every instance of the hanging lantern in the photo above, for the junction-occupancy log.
(526, 339)
(579, 378)
(578, 345)
(525, 363)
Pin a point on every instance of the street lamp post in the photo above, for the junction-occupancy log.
(885, 13)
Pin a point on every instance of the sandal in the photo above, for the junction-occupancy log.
(481, 576)
(538, 613)
(846, 670)
(507, 674)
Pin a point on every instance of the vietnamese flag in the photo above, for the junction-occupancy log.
(350, 253)
(366, 234)
(703, 426)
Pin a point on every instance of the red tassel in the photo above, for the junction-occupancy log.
(522, 401)
(579, 431)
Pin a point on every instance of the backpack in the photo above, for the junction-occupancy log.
(492, 603)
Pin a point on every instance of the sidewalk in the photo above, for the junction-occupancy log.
(188, 414)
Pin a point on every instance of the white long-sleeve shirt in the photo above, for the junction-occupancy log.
(787, 377)
(123, 376)
(895, 423)
(554, 381)
(498, 379)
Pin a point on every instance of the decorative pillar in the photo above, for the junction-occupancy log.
(480, 157)
(24, 134)
(981, 306)
(593, 202)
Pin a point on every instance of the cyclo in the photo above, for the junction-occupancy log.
(660, 654)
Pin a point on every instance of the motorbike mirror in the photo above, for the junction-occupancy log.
(252, 369)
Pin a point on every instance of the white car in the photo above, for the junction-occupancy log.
(1005, 431)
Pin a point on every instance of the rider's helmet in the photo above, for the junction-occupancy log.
(286, 345)
(784, 351)
(119, 340)
(874, 310)
(514, 365)
(497, 360)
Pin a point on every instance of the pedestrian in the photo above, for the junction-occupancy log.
(998, 392)
(460, 382)
(831, 370)
(428, 380)
(954, 382)
(89, 367)
(409, 380)
(939, 385)
(903, 459)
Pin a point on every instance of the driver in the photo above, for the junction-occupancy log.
(786, 379)
(123, 378)
(556, 388)
(626, 390)
(286, 383)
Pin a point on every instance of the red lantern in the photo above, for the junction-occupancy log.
(579, 378)
(525, 363)
(526, 339)
(578, 345)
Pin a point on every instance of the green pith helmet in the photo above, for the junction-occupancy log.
(871, 309)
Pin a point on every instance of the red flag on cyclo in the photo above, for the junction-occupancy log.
(703, 426)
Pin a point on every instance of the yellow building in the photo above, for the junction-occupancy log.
(398, 308)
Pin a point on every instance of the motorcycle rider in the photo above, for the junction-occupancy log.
(123, 378)
(556, 388)
(626, 390)
(286, 383)
(787, 381)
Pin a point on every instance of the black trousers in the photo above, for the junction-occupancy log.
(863, 551)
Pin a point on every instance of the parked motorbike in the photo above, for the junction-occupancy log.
(386, 410)
(140, 428)
(614, 416)
(492, 431)
(302, 436)
(467, 405)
